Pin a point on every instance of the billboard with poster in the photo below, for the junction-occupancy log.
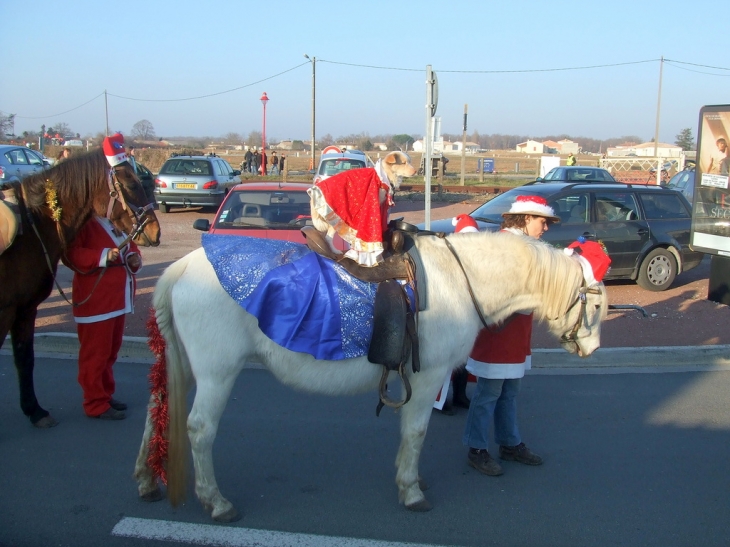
(711, 201)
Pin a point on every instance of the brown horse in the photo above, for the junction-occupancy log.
(54, 205)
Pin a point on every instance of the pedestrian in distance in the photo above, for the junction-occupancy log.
(571, 159)
(247, 161)
(499, 359)
(63, 155)
(281, 163)
(274, 162)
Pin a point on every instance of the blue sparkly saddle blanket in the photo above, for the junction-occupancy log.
(303, 301)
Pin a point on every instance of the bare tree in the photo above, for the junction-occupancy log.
(233, 138)
(143, 130)
(7, 124)
(254, 139)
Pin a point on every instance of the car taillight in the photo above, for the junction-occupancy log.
(210, 185)
(2, 173)
(160, 183)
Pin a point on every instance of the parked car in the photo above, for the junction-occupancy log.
(17, 162)
(576, 173)
(646, 229)
(190, 181)
(333, 163)
(147, 179)
(269, 210)
(684, 182)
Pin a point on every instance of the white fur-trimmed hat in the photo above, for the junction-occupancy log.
(532, 205)
(464, 223)
(114, 149)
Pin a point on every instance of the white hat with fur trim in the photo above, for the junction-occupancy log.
(532, 205)
(464, 223)
(114, 149)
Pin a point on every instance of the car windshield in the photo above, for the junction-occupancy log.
(337, 165)
(581, 174)
(179, 166)
(265, 209)
(493, 209)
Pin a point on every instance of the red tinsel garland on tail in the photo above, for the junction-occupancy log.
(157, 455)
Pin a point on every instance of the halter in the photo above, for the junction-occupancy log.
(140, 216)
(572, 336)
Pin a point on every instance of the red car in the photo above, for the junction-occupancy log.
(270, 210)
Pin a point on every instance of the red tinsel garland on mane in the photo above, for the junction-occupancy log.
(157, 455)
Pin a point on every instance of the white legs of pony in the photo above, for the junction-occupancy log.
(204, 349)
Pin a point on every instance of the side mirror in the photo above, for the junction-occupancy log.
(236, 172)
(202, 224)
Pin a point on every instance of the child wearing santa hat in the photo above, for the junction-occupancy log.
(459, 377)
(499, 359)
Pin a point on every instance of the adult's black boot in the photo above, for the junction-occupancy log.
(459, 379)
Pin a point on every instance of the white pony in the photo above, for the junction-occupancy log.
(209, 338)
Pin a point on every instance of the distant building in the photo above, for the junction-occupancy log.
(530, 147)
(645, 149)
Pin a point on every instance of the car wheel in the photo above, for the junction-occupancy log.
(657, 271)
(164, 208)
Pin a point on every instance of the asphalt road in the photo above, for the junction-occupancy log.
(630, 460)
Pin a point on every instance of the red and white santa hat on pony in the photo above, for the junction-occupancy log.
(464, 223)
(532, 205)
(114, 149)
(593, 259)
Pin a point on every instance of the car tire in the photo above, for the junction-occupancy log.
(657, 270)
(164, 208)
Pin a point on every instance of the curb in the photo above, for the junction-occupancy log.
(544, 361)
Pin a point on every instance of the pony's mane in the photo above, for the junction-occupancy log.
(71, 178)
(556, 275)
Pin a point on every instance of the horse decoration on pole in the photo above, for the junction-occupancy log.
(47, 210)
(206, 327)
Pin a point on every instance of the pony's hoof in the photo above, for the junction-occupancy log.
(46, 422)
(153, 495)
(422, 484)
(229, 516)
(422, 506)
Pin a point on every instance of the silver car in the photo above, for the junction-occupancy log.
(194, 181)
(17, 162)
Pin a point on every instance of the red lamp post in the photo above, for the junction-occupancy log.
(264, 100)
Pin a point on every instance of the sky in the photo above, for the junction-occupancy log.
(200, 68)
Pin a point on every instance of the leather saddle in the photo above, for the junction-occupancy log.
(395, 334)
(9, 216)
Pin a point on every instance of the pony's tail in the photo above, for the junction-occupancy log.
(174, 360)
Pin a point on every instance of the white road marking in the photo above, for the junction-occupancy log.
(218, 535)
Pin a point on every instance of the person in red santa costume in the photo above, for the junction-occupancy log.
(499, 359)
(103, 293)
(459, 378)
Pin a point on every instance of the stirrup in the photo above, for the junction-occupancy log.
(383, 388)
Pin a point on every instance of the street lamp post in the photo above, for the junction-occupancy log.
(313, 60)
(264, 100)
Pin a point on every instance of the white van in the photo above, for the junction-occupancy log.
(73, 143)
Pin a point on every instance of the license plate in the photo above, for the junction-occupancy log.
(187, 186)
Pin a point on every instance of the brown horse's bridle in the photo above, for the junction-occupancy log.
(139, 216)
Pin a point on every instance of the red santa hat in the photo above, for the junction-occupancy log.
(114, 149)
(593, 259)
(464, 223)
(532, 205)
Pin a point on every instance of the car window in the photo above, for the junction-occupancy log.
(16, 157)
(186, 167)
(572, 209)
(663, 206)
(554, 173)
(262, 208)
(33, 158)
(338, 165)
(616, 206)
(219, 170)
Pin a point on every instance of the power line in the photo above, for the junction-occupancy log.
(673, 63)
(60, 113)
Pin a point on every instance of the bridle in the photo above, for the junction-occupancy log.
(139, 216)
(572, 336)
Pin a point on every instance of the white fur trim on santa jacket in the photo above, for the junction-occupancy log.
(113, 295)
(504, 350)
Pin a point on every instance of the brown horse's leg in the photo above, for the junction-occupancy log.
(22, 332)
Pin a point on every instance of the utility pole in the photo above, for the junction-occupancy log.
(463, 146)
(106, 109)
(656, 130)
(313, 60)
